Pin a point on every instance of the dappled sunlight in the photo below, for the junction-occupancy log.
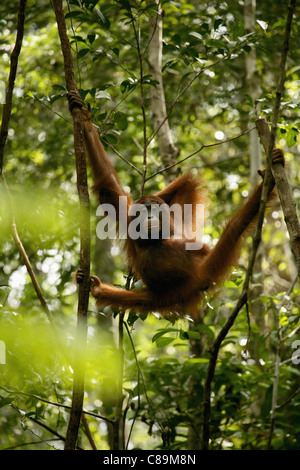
(170, 88)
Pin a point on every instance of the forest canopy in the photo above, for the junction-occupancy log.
(172, 87)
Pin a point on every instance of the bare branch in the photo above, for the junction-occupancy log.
(199, 150)
(284, 191)
(181, 93)
(53, 403)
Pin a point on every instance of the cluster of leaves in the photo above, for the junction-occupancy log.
(243, 384)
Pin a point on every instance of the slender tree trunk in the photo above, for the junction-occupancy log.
(82, 187)
(168, 151)
(252, 83)
(196, 349)
(6, 113)
(268, 140)
(105, 329)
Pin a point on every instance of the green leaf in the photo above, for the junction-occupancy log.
(196, 35)
(193, 334)
(111, 138)
(250, 100)
(162, 342)
(217, 23)
(103, 19)
(262, 24)
(91, 38)
(83, 52)
(101, 116)
(77, 38)
(162, 332)
(72, 14)
(207, 330)
(5, 401)
(238, 30)
(54, 98)
(103, 95)
(266, 406)
(132, 318)
(127, 85)
(169, 64)
(291, 138)
(59, 87)
(229, 284)
(198, 360)
(158, 335)
(176, 4)
(184, 335)
(121, 121)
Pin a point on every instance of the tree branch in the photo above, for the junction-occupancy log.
(82, 187)
(52, 403)
(256, 241)
(11, 80)
(268, 141)
(215, 144)
(284, 191)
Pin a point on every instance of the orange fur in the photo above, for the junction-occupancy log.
(174, 278)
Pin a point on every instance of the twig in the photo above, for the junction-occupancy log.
(24, 444)
(138, 379)
(198, 151)
(278, 364)
(88, 433)
(53, 403)
(289, 399)
(24, 256)
(124, 159)
(212, 365)
(51, 109)
(47, 428)
(118, 434)
(83, 295)
(275, 388)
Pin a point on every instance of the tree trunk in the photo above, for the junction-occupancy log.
(84, 288)
(252, 84)
(168, 151)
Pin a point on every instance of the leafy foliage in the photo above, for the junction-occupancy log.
(205, 48)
